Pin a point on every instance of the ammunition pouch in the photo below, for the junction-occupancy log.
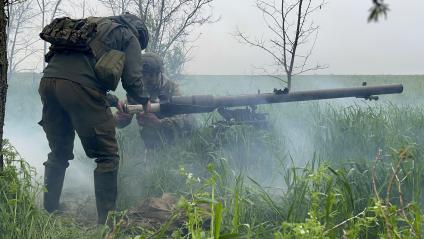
(109, 68)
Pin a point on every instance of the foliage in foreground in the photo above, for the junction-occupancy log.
(20, 216)
(364, 182)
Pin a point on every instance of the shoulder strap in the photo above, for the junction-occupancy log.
(104, 27)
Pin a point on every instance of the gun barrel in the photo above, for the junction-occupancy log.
(269, 98)
(207, 103)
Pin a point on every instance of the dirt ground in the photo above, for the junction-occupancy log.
(151, 213)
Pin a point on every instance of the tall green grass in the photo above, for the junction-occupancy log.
(365, 174)
(363, 181)
(340, 170)
(20, 215)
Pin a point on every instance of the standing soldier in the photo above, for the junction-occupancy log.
(87, 58)
(155, 128)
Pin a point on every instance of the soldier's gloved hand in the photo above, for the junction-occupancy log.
(120, 106)
(122, 119)
(120, 115)
(148, 120)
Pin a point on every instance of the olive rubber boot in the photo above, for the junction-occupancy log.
(106, 189)
(53, 181)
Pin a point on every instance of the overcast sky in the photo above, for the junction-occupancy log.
(346, 42)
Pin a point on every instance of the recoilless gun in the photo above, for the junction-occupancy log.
(177, 105)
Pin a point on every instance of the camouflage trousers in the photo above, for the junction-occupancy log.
(69, 107)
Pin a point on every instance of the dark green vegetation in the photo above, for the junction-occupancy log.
(343, 168)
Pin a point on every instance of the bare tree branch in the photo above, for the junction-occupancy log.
(116, 6)
(20, 37)
(45, 8)
(171, 24)
(291, 27)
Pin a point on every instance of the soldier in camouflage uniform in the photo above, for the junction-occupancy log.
(156, 129)
(74, 99)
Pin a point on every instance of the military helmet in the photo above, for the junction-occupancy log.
(136, 25)
(152, 63)
(152, 68)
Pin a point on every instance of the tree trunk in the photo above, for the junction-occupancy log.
(289, 81)
(43, 16)
(3, 73)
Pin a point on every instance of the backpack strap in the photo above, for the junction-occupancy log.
(104, 27)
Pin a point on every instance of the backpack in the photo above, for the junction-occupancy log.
(69, 34)
(85, 35)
